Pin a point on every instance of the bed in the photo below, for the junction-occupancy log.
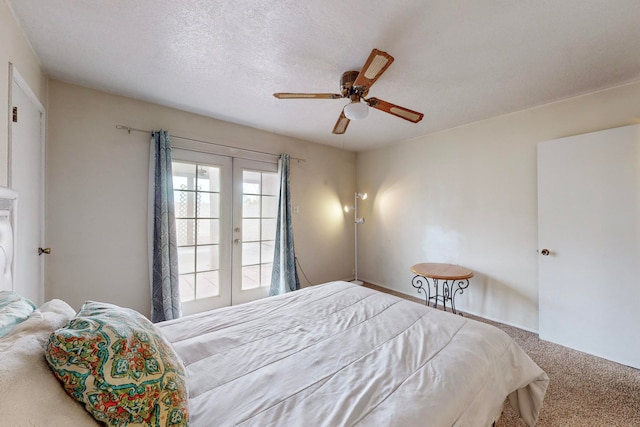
(335, 354)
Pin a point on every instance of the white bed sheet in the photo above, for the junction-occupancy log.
(339, 354)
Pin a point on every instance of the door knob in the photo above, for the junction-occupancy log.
(236, 241)
(46, 251)
(545, 252)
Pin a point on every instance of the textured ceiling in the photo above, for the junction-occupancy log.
(457, 62)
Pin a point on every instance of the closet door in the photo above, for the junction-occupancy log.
(26, 161)
(589, 243)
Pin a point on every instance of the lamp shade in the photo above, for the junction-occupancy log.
(356, 110)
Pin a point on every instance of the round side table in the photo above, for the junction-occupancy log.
(447, 280)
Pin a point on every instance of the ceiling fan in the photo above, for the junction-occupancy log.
(355, 86)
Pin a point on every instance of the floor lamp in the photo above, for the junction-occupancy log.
(357, 221)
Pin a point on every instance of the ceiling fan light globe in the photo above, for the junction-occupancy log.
(356, 110)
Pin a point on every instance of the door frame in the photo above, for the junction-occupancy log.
(19, 80)
(231, 193)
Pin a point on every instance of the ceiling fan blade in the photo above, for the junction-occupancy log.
(377, 64)
(341, 124)
(282, 95)
(396, 110)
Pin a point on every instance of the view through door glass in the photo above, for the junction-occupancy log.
(219, 202)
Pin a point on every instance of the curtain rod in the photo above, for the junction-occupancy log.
(130, 129)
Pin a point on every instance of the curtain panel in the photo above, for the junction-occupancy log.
(165, 295)
(284, 276)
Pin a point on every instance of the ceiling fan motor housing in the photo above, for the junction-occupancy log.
(348, 89)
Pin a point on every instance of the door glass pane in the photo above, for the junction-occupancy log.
(269, 206)
(265, 275)
(208, 284)
(207, 258)
(250, 229)
(209, 205)
(270, 184)
(250, 253)
(250, 277)
(186, 259)
(251, 182)
(208, 231)
(269, 229)
(250, 206)
(185, 203)
(184, 176)
(208, 178)
(186, 232)
(266, 254)
(187, 287)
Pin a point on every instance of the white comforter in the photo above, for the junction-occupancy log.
(30, 396)
(340, 355)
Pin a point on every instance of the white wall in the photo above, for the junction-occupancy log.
(15, 49)
(468, 196)
(97, 179)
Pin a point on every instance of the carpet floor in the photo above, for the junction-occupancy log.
(584, 391)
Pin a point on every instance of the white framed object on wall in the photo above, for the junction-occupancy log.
(8, 209)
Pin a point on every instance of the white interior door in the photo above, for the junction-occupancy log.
(255, 206)
(589, 220)
(26, 176)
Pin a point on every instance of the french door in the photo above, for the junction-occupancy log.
(255, 206)
(225, 224)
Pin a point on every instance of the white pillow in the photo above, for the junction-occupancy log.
(31, 394)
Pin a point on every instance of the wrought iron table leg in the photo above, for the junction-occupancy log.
(423, 285)
(420, 283)
(462, 285)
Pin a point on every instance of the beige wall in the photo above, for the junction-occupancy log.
(15, 49)
(97, 179)
(468, 196)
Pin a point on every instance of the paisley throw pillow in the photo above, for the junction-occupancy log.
(119, 365)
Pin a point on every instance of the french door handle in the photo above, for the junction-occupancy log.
(45, 251)
(236, 242)
(545, 252)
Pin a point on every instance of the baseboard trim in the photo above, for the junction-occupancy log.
(534, 331)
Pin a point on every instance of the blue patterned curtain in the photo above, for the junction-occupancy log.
(284, 277)
(165, 296)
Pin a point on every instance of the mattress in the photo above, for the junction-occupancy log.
(339, 354)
